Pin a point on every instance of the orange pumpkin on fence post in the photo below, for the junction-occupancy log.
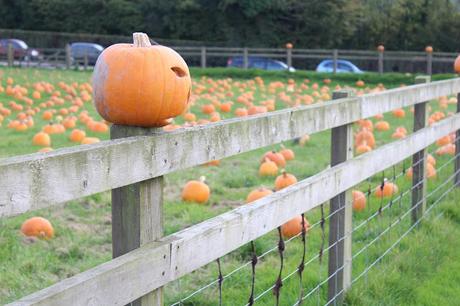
(139, 84)
(457, 64)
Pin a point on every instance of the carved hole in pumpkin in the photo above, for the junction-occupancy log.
(178, 71)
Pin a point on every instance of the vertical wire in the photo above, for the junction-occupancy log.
(253, 280)
(221, 279)
(302, 262)
(279, 281)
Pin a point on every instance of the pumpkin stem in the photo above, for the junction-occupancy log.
(284, 173)
(141, 40)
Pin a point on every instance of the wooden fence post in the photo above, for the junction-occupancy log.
(203, 57)
(340, 222)
(380, 64)
(289, 58)
(418, 159)
(10, 55)
(245, 58)
(429, 63)
(68, 56)
(457, 149)
(335, 55)
(137, 214)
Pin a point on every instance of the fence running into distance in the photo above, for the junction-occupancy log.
(134, 162)
(378, 61)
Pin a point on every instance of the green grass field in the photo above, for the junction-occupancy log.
(419, 271)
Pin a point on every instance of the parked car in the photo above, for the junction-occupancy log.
(259, 63)
(78, 51)
(342, 66)
(20, 49)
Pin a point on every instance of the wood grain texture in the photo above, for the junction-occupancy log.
(158, 263)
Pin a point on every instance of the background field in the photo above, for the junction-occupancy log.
(418, 272)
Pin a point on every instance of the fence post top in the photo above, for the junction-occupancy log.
(422, 79)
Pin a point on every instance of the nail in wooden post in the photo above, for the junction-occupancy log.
(457, 149)
(335, 55)
(419, 159)
(245, 58)
(203, 57)
(137, 214)
(340, 223)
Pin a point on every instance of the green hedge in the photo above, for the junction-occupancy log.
(370, 77)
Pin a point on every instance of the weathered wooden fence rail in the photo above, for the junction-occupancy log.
(201, 56)
(139, 161)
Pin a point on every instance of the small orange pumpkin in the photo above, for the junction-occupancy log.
(288, 154)
(278, 158)
(196, 191)
(294, 227)
(77, 135)
(41, 139)
(399, 113)
(90, 140)
(381, 48)
(457, 64)
(382, 126)
(387, 190)
(359, 200)
(38, 227)
(268, 168)
(429, 49)
(258, 194)
(140, 84)
(284, 180)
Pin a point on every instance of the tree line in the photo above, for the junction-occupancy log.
(348, 24)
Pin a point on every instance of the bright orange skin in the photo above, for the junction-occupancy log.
(258, 194)
(77, 135)
(268, 168)
(288, 154)
(41, 139)
(294, 227)
(359, 200)
(457, 64)
(196, 191)
(363, 148)
(284, 180)
(278, 158)
(399, 113)
(140, 86)
(38, 227)
(365, 137)
(388, 190)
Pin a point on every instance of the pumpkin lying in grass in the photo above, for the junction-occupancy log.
(359, 200)
(196, 191)
(385, 190)
(139, 84)
(294, 227)
(284, 180)
(257, 194)
(37, 227)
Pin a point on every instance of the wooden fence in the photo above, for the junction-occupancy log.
(379, 61)
(133, 163)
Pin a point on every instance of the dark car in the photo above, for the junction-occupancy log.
(20, 49)
(80, 50)
(258, 63)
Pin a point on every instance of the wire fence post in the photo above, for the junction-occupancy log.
(457, 149)
(245, 58)
(10, 55)
(137, 214)
(418, 159)
(68, 58)
(335, 55)
(203, 57)
(340, 223)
